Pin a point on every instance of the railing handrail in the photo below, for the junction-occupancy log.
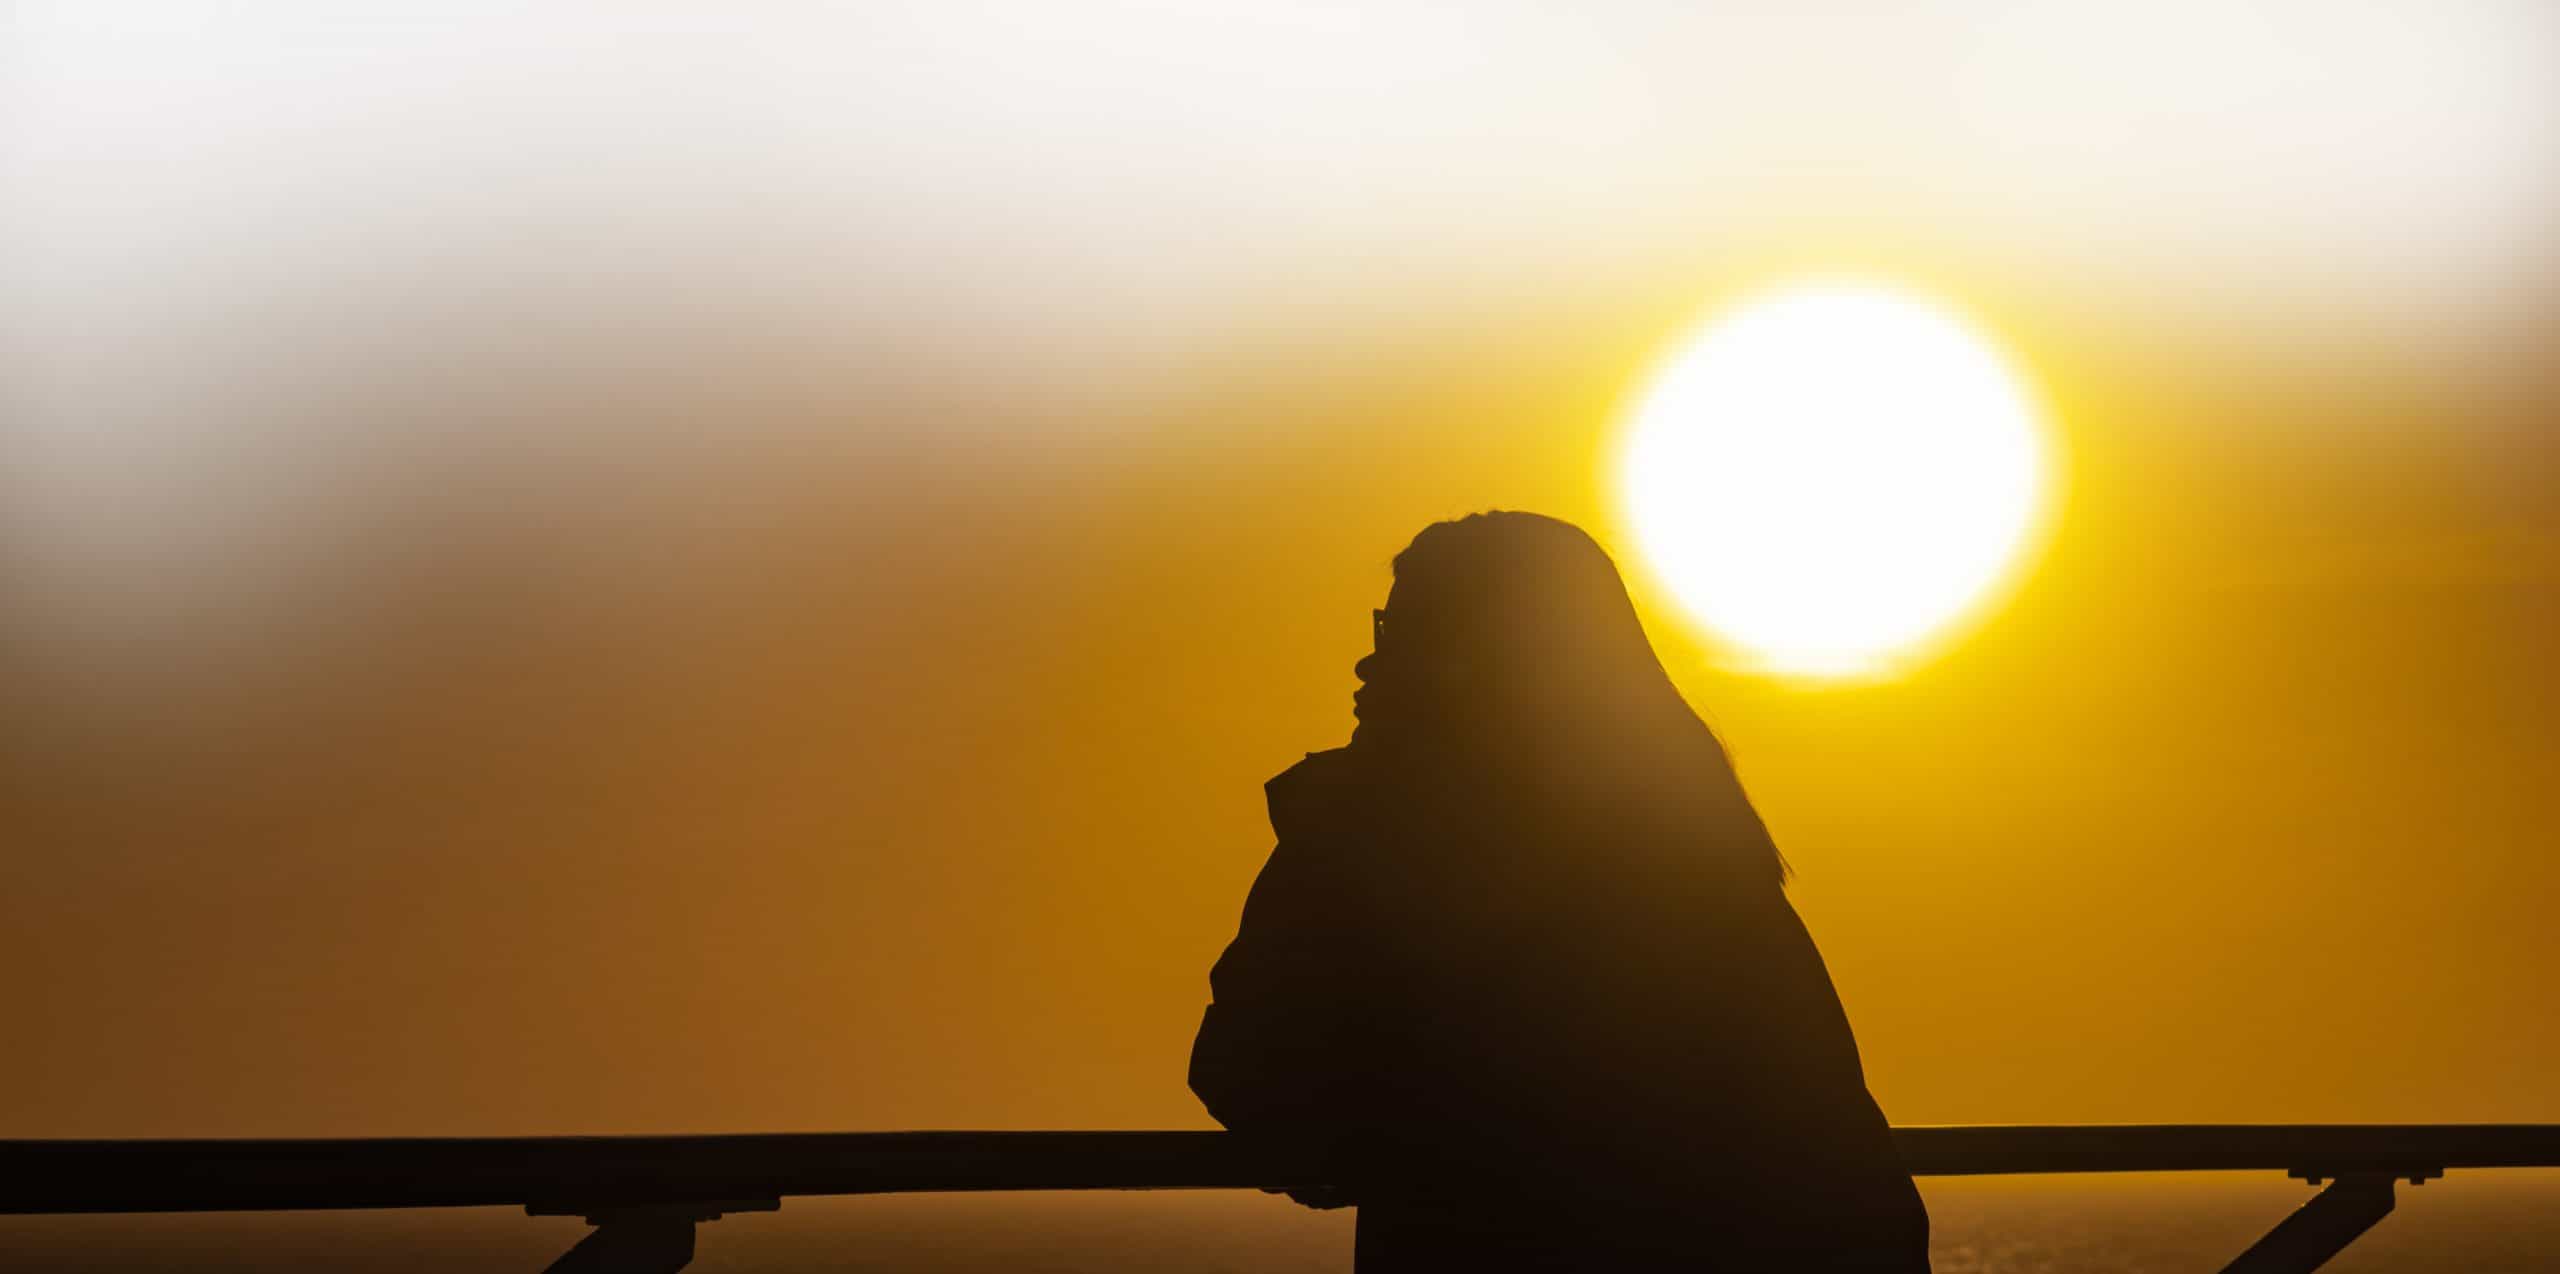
(591, 1173)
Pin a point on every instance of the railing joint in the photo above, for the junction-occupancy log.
(2414, 1176)
(645, 1238)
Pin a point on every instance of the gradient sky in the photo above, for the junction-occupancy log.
(646, 572)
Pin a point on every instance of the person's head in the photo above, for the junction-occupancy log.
(1509, 636)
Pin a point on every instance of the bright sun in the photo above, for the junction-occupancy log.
(1832, 475)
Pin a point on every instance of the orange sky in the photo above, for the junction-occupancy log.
(451, 697)
(924, 798)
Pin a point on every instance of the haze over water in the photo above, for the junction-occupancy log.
(2476, 1223)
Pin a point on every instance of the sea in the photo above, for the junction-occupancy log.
(2480, 1222)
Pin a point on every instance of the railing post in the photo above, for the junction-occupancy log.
(2322, 1228)
(654, 1239)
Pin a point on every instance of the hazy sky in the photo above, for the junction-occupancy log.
(642, 569)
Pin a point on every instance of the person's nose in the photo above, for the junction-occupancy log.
(1368, 664)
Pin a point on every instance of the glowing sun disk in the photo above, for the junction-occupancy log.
(1830, 476)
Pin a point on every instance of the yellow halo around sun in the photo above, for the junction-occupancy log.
(1832, 476)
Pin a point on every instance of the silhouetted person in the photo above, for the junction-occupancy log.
(1521, 967)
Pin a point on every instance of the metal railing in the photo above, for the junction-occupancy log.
(644, 1195)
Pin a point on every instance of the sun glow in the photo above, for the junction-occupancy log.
(1831, 476)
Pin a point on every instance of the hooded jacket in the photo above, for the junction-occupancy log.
(1529, 1035)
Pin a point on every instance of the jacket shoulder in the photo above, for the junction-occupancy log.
(1310, 786)
(1330, 765)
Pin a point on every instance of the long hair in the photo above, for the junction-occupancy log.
(1510, 636)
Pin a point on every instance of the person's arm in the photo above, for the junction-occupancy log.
(1281, 1043)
